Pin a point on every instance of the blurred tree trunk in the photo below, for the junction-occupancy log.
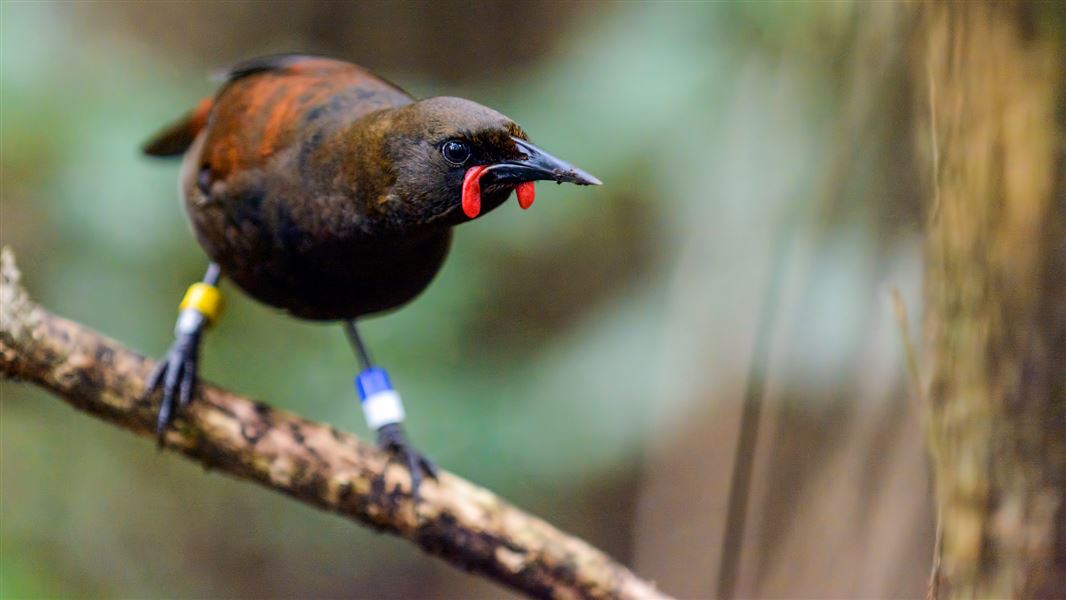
(989, 83)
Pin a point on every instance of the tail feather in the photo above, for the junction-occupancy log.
(176, 139)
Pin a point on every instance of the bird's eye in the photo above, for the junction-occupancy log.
(455, 152)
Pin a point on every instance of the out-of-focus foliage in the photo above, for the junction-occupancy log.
(543, 359)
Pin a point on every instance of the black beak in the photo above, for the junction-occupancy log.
(538, 165)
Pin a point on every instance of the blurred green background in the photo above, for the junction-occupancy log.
(585, 359)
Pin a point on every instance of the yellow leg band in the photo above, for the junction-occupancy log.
(205, 299)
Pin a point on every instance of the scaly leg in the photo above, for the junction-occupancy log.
(384, 413)
(176, 371)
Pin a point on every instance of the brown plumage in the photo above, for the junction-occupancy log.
(321, 189)
(328, 192)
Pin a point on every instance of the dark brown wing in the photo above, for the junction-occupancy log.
(270, 104)
(262, 98)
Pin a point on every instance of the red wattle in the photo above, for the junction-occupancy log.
(472, 191)
(526, 194)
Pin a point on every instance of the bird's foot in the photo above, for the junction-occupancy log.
(392, 439)
(176, 374)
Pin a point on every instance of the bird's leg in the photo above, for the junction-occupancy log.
(176, 372)
(384, 413)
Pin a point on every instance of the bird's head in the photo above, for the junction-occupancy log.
(454, 160)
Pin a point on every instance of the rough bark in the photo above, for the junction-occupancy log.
(990, 78)
(464, 524)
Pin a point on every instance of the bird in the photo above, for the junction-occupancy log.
(330, 193)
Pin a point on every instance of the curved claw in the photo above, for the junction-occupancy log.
(154, 378)
(188, 381)
(176, 374)
(393, 440)
(428, 466)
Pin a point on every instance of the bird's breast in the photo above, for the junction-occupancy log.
(310, 252)
(276, 191)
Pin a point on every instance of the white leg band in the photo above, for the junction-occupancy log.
(190, 321)
(383, 408)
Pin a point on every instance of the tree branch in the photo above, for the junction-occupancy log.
(466, 525)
